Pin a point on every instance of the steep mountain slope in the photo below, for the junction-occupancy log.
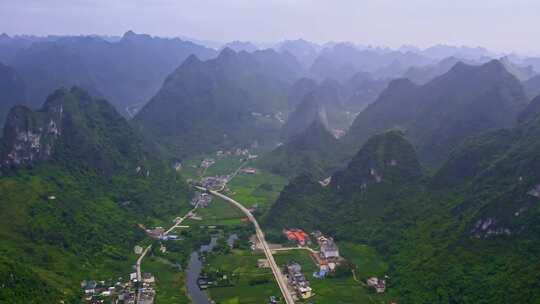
(311, 109)
(12, 91)
(441, 51)
(361, 90)
(71, 126)
(76, 181)
(531, 111)
(127, 72)
(469, 234)
(466, 101)
(10, 46)
(303, 50)
(341, 61)
(341, 101)
(308, 152)
(378, 176)
(299, 90)
(220, 102)
(503, 180)
(424, 74)
(532, 86)
(523, 73)
(239, 46)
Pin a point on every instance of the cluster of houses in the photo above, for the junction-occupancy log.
(207, 162)
(202, 200)
(233, 152)
(376, 283)
(279, 116)
(236, 152)
(249, 170)
(120, 292)
(215, 182)
(338, 133)
(328, 257)
(297, 280)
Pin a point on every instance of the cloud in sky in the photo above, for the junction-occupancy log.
(496, 24)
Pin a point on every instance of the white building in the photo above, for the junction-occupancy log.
(329, 249)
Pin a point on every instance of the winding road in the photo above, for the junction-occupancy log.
(282, 282)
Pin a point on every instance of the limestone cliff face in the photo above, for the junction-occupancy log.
(30, 136)
(74, 129)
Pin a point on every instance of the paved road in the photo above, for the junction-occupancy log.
(177, 224)
(282, 283)
(139, 261)
(139, 276)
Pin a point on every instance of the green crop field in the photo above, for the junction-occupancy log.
(219, 212)
(261, 188)
(254, 285)
(224, 166)
(169, 281)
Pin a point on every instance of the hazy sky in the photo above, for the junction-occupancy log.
(501, 25)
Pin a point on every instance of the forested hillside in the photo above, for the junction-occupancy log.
(460, 236)
(76, 181)
(437, 116)
(231, 100)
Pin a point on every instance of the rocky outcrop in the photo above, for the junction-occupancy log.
(74, 129)
(385, 158)
(484, 228)
(30, 136)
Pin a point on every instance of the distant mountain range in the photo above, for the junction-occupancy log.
(12, 91)
(128, 71)
(466, 101)
(309, 152)
(225, 101)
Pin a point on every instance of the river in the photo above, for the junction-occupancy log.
(193, 272)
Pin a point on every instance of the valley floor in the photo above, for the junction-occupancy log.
(233, 271)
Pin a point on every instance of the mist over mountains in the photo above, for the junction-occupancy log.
(427, 156)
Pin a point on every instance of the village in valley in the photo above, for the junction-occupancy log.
(124, 290)
(314, 267)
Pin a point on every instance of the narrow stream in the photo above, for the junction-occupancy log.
(194, 271)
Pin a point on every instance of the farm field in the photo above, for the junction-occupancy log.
(261, 189)
(340, 289)
(251, 284)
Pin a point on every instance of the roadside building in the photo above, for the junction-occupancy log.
(207, 162)
(376, 283)
(137, 249)
(156, 233)
(329, 249)
(263, 263)
(298, 281)
(249, 170)
(297, 235)
(148, 278)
